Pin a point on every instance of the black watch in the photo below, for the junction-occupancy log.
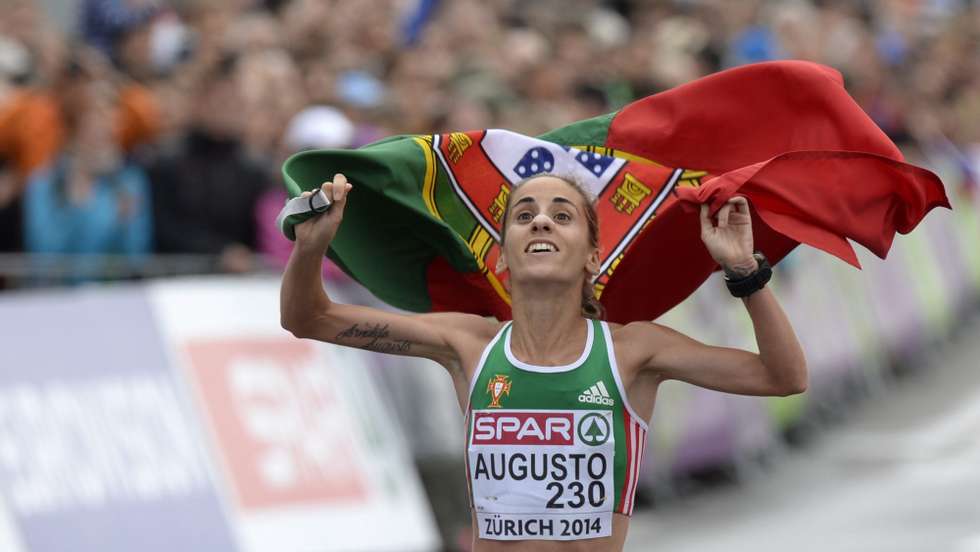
(747, 285)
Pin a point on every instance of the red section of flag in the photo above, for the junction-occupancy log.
(747, 115)
(786, 135)
(452, 291)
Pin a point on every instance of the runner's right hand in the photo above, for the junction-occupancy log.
(319, 231)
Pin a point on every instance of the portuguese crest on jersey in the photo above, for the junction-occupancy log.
(498, 387)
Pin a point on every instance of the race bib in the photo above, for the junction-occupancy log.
(542, 474)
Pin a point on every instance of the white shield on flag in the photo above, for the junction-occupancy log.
(517, 157)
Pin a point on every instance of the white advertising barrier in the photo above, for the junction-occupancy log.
(310, 457)
(9, 535)
(99, 450)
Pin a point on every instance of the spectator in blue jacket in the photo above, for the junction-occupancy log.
(90, 200)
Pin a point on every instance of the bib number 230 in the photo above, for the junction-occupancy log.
(576, 494)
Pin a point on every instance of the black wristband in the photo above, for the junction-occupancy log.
(747, 285)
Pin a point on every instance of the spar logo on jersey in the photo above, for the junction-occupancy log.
(596, 394)
(498, 387)
(523, 428)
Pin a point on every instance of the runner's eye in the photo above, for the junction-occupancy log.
(563, 217)
(524, 216)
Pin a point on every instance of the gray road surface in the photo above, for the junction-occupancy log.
(902, 474)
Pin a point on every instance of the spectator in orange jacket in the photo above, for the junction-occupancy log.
(32, 132)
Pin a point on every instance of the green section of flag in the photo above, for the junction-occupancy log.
(588, 132)
(450, 208)
(386, 206)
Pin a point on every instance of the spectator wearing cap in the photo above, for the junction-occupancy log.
(316, 127)
(105, 22)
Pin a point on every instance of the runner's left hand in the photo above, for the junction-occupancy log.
(729, 242)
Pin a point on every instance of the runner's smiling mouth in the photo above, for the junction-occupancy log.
(541, 247)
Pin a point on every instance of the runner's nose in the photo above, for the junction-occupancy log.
(541, 223)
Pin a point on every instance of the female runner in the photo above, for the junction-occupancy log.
(556, 401)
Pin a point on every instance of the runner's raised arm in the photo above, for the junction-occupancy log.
(307, 311)
(780, 366)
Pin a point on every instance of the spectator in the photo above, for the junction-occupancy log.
(317, 127)
(105, 22)
(204, 193)
(30, 133)
(89, 200)
(34, 121)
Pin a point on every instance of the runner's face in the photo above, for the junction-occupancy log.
(548, 233)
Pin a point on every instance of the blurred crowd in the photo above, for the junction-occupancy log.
(158, 126)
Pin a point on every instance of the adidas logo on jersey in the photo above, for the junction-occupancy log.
(597, 394)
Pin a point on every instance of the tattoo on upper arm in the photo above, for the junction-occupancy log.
(377, 338)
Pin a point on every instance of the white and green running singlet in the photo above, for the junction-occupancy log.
(552, 451)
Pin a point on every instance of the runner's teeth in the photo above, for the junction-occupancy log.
(535, 247)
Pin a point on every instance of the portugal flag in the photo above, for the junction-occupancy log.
(422, 224)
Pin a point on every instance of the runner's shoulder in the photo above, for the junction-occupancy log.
(636, 330)
(639, 338)
(466, 335)
(470, 326)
